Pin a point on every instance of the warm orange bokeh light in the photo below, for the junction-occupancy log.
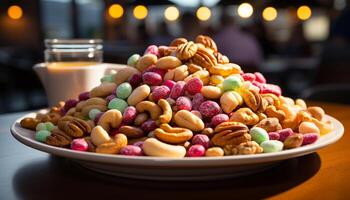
(15, 12)
(116, 11)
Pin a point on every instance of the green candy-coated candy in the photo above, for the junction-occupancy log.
(40, 127)
(124, 90)
(231, 83)
(107, 78)
(133, 60)
(93, 112)
(118, 104)
(259, 135)
(42, 135)
(49, 126)
(272, 146)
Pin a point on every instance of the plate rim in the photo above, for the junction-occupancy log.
(174, 162)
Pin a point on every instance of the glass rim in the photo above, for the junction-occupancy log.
(73, 41)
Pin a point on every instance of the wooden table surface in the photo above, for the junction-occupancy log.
(26, 173)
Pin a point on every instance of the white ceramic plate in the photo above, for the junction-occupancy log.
(156, 168)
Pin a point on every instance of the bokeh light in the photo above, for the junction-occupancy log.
(116, 11)
(140, 12)
(245, 10)
(15, 12)
(203, 13)
(171, 13)
(269, 14)
(304, 12)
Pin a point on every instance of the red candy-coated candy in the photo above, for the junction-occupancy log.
(194, 86)
(178, 90)
(169, 83)
(201, 139)
(184, 103)
(218, 119)
(129, 114)
(84, 96)
(284, 133)
(110, 97)
(70, 104)
(139, 144)
(149, 125)
(196, 151)
(259, 77)
(248, 77)
(160, 92)
(97, 117)
(274, 136)
(135, 80)
(114, 131)
(152, 49)
(79, 145)
(209, 108)
(152, 78)
(310, 138)
(131, 150)
(154, 69)
(270, 88)
(197, 100)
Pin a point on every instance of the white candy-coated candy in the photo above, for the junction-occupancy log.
(99, 136)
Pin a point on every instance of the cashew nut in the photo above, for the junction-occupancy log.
(124, 74)
(131, 131)
(110, 119)
(167, 112)
(154, 147)
(99, 136)
(152, 108)
(120, 141)
(173, 135)
(103, 90)
(146, 61)
(139, 94)
(186, 119)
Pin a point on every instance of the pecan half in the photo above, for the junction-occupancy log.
(254, 101)
(58, 138)
(192, 68)
(166, 51)
(269, 124)
(207, 42)
(271, 111)
(222, 59)
(204, 58)
(186, 51)
(178, 41)
(230, 133)
(73, 126)
(244, 148)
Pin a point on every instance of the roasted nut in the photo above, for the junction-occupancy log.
(208, 131)
(214, 152)
(316, 112)
(216, 79)
(173, 135)
(103, 90)
(293, 141)
(51, 117)
(110, 119)
(245, 116)
(139, 94)
(168, 62)
(261, 116)
(58, 138)
(166, 51)
(146, 61)
(85, 111)
(120, 141)
(271, 111)
(222, 59)
(178, 41)
(29, 123)
(186, 119)
(90, 102)
(207, 42)
(154, 147)
(244, 148)
(201, 74)
(123, 75)
(99, 136)
(204, 58)
(270, 124)
(140, 118)
(211, 92)
(153, 109)
(192, 68)
(221, 69)
(131, 131)
(254, 101)
(177, 74)
(73, 126)
(230, 100)
(271, 99)
(186, 51)
(165, 118)
(300, 104)
(232, 133)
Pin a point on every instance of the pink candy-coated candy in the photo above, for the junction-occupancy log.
(152, 78)
(284, 133)
(131, 150)
(197, 100)
(135, 80)
(201, 139)
(97, 117)
(149, 125)
(152, 49)
(259, 77)
(139, 144)
(310, 138)
(184, 103)
(274, 136)
(194, 86)
(169, 83)
(178, 90)
(84, 96)
(154, 69)
(209, 108)
(197, 113)
(270, 88)
(79, 145)
(218, 119)
(160, 92)
(110, 97)
(248, 77)
(129, 114)
(196, 151)
(70, 104)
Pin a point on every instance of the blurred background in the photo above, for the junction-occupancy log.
(304, 46)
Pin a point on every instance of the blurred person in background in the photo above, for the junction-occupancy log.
(239, 46)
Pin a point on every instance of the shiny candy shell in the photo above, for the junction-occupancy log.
(124, 90)
(259, 135)
(231, 83)
(93, 112)
(42, 135)
(133, 60)
(272, 146)
(118, 104)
